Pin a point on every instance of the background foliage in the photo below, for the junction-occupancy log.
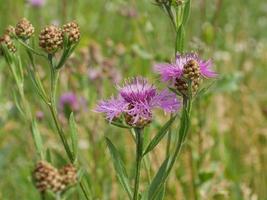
(225, 157)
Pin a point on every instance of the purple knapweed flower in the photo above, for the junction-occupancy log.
(68, 103)
(36, 3)
(135, 102)
(186, 66)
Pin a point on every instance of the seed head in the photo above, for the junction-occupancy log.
(24, 29)
(72, 31)
(6, 40)
(68, 174)
(51, 39)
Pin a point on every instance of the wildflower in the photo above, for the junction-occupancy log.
(36, 3)
(24, 29)
(51, 39)
(72, 31)
(135, 102)
(187, 69)
(68, 103)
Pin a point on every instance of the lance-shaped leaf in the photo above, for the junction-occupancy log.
(37, 139)
(155, 188)
(74, 140)
(159, 135)
(186, 11)
(119, 167)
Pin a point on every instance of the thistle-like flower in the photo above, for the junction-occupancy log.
(72, 31)
(51, 39)
(24, 29)
(187, 69)
(135, 102)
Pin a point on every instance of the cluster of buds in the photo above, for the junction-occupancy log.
(72, 31)
(48, 177)
(7, 41)
(51, 39)
(24, 29)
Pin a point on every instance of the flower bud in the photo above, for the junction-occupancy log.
(24, 29)
(51, 39)
(6, 40)
(47, 177)
(72, 31)
(69, 175)
(10, 30)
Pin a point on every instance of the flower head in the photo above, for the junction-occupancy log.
(68, 103)
(186, 67)
(136, 100)
(36, 3)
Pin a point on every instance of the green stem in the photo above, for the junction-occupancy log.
(30, 48)
(139, 152)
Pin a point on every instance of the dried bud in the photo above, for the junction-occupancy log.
(47, 177)
(24, 29)
(72, 31)
(51, 39)
(69, 175)
(191, 72)
(6, 40)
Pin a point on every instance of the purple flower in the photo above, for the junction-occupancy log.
(68, 103)
(36, 3)
(136, 100)
(173, 71)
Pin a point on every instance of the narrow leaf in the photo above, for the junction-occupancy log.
(119, 167)
(159, 135)
(180, 34)
(186, 12)
(74, 140)
(157, 182)
(37, 139)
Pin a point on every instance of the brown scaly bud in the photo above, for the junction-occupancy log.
(68, 174)
(72, 31)
(47, 177)
(6, 40)
(191, 72)
(51, 39)
(10, 30)
(24, 29)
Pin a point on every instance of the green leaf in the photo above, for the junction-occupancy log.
(159, 135)
(157, 182)
(180, 34)
(37, 139)
(186, 12)
(119, 167)
(160, 195)
(74, 139)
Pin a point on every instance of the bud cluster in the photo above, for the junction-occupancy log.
(72, 31)
(51, 38)
(6, 40)
(48, 177)
(24, 29)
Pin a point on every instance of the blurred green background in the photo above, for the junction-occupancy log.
(226, 155)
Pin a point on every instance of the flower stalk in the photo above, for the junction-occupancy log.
(139, 155)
